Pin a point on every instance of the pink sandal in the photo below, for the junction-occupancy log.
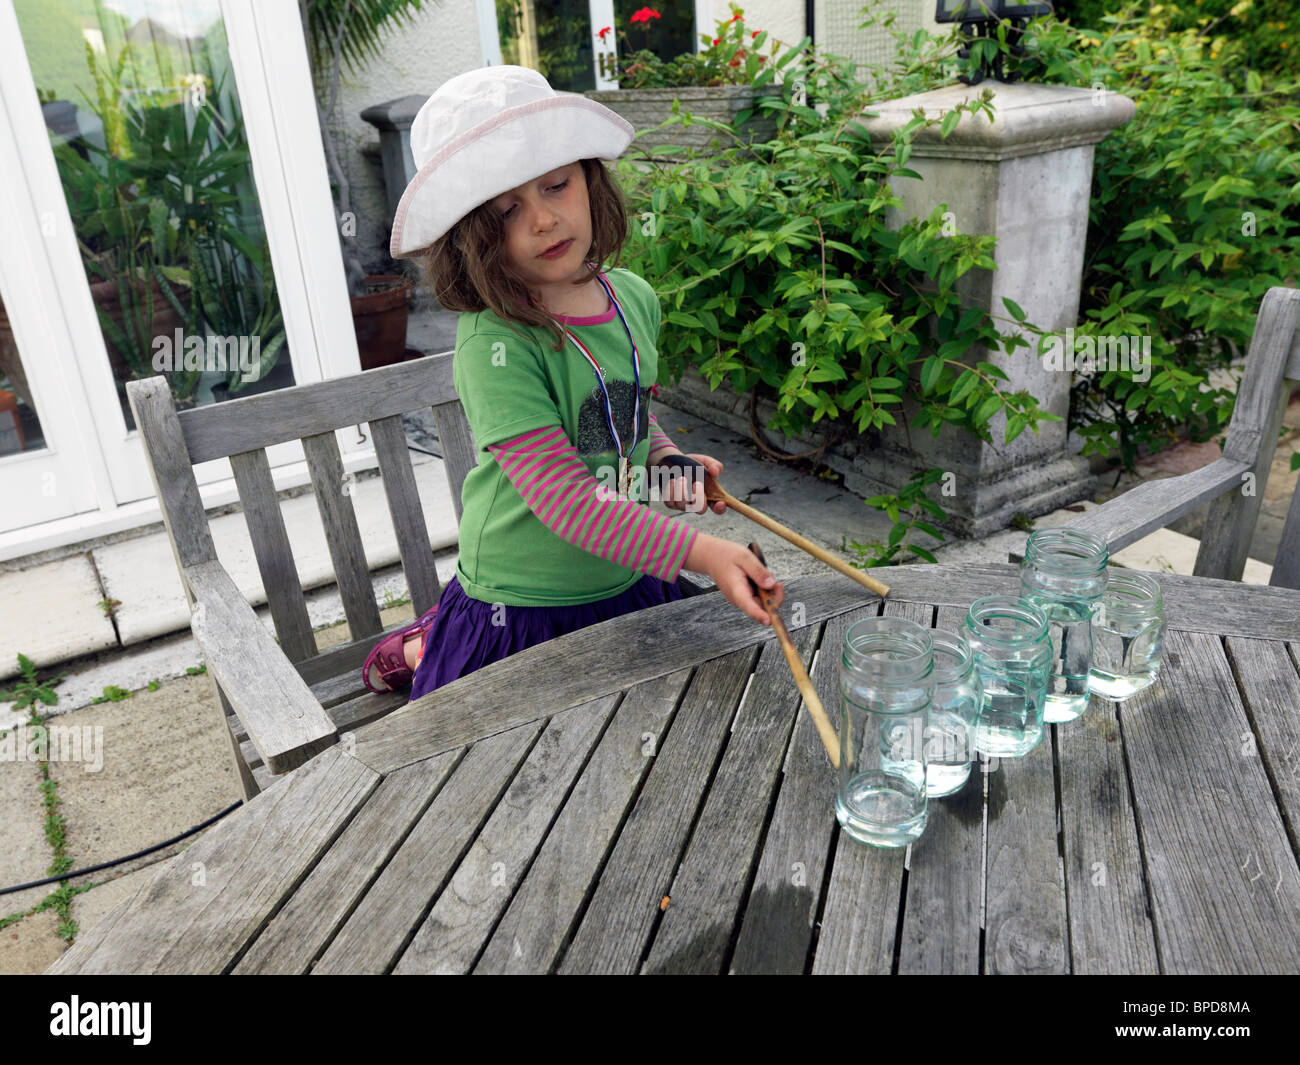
(388, 657)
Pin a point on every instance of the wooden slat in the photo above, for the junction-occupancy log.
(307, 922)
(1024, 897)
(575, 668)
(1224, 891)
(1252, 435)
(247, 781)
(1286, 566)
(1110, 919)
(1192, 604)
(342, 659)
(404, 508)
(349, 713)
(373, 936)
(613, 933)
(1154, 504)
(170, 470)
(254, 422)
(342, 535)
(274, 555)
(1270, 686)
(459, 453)
(776, 931)
(274, 704)
(544, 908)
(860, 920)
(245, 866)
(695, 932)
(945, 886)
(461, 920)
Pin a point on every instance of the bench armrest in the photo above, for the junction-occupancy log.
(1154, 504)
(284, 720)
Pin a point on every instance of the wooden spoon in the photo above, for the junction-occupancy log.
(830, 739)
(714, 492)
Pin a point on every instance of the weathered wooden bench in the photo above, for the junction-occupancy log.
(1233, 484)
(283, 702)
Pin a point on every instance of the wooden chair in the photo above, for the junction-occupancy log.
(1234, 483)
(284, 702)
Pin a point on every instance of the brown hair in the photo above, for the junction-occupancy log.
(465, 269)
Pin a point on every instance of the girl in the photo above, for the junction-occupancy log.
(511, 214)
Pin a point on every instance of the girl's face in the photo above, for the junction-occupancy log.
(537, 215)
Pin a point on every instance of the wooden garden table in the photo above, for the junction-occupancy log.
(534, 815)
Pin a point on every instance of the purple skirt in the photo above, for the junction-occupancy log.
(463, 637)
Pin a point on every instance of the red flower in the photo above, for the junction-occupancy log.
(754, 33)
(734, 63)
(602, 33)
(716, 40)
(736, 18)
(644, 15)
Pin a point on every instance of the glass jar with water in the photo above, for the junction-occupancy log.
(1064, 574)
(954, 715)
(886, 685)
(1128, 636)
(1013, 653)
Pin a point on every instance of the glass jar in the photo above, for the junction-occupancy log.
(886, 685)
(954, 715)
(1064, 574)
(1013, 653)
(1128, 636)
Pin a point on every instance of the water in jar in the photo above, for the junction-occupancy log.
(1069, 624)
(1126, 656)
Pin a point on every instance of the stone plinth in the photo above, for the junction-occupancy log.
(1025, 178)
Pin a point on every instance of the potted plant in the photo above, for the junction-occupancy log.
(339, 31)
(722, 83)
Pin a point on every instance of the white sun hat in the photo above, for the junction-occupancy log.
(486, 132)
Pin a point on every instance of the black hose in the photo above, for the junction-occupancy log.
(119, 861)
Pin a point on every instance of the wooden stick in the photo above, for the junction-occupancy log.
(714, 492)
(830, 739)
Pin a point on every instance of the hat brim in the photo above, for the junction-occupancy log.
(517, 145)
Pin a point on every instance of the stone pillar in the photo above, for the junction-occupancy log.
(1026, 179)
(393, 120)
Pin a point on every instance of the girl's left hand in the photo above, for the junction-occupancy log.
(676, 498)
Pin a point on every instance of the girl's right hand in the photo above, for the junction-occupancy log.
(729, 564)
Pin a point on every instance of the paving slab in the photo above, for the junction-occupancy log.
(32, 945)
(25, 856)
(166, 768)
(51, 614)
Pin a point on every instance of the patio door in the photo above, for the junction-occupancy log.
(164, 160)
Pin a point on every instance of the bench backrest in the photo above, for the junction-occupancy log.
(242, 430)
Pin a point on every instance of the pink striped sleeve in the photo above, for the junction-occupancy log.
(660, 444)
(552, 479)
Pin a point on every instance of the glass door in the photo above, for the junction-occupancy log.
(150, 143)
(45, 473)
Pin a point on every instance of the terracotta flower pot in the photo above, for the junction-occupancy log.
(165, 320)
(379, 316)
